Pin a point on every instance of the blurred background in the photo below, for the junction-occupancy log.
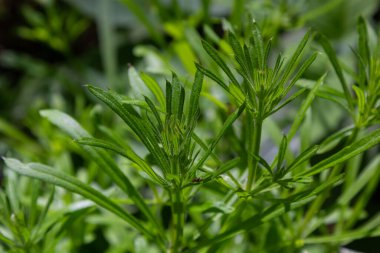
(49, 49)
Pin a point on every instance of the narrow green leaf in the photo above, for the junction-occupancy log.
(360, 98)
(235, 45)
(194, 97)
(203, 145)
(363, 41)
(361, 76)
(218, 60)
(345, 154)
(258, 44)
(267, 49)
(212, 76)
(303, 157)
(154, 88)
(248, 58)
(224, 168)
(334, 139)
(304, 66)
(136, 102)
(169, 96)
(338, 70)
(227, 166)
(263, 163)
(155, 113)
(287, 101)
(239, 54)
(211, 34)
(176, 95)
(181, 104)
(363, 53)
(234, 91)
(302, 111)
(296, 57)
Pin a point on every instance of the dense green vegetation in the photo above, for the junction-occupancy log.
(189, 126)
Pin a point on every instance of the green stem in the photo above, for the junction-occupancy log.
(253, 149)
(178, 211)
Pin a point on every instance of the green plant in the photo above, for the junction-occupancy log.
(274, 206)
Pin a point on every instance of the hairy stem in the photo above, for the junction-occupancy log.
(178, 211)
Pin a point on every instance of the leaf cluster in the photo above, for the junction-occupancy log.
(263, 87)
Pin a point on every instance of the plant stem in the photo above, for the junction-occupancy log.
(253, 148)
(178, 211)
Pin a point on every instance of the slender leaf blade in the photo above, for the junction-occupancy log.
(302, 111)
(356, 148)
(291, 65)
(327, 47)
(211, 75)
(218, 60)
(154, 88)
(194, 96)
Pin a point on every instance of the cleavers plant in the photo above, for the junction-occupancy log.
(254, 198)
